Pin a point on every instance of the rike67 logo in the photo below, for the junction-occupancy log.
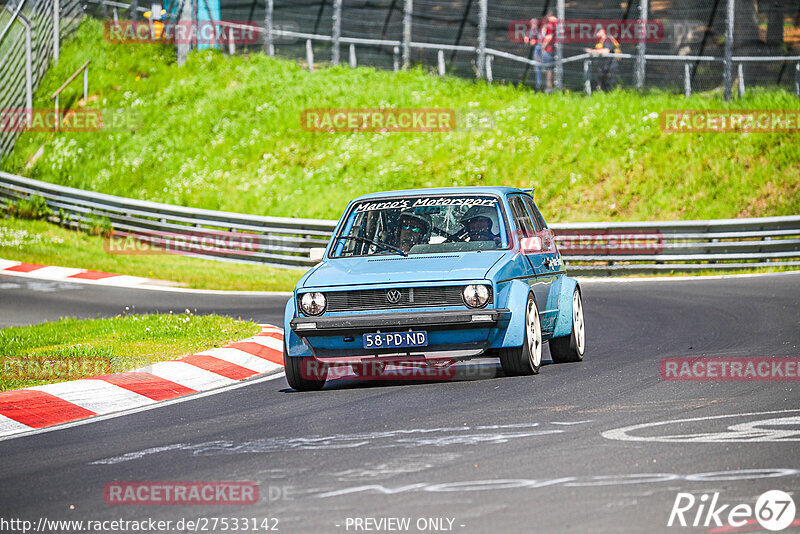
(774, 510)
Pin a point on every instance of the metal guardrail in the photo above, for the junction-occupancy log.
(587, 248)
(277, 241)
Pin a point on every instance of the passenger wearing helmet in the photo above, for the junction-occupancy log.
(479, 225)
(414, 229)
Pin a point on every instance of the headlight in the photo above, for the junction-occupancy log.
(475, 296)
(313, 303)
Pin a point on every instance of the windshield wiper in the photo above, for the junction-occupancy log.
(383, 246)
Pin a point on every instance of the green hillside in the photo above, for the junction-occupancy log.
(224, 133)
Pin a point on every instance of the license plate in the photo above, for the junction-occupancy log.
(391, 340)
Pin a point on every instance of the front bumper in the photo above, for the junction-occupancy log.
(432, 320)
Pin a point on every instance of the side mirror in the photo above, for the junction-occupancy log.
(316, 254)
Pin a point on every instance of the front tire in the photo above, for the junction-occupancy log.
(304, 373)
(570, 348)
(527, 359)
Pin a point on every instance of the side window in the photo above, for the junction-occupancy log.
(522, 220)
(538, 220)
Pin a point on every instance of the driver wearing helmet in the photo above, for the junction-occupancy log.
(478, 223)
(414, 229)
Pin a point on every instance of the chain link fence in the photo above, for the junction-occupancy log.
(27, 45)
(687, 51)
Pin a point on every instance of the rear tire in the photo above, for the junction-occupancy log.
(527, 359)
(570, 348)
(301, 372)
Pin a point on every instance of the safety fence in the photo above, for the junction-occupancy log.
(693, 46)
(599, 249)
(30, 35)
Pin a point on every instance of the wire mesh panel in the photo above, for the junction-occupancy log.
(372, 19)
(694, 29)
(39, 13)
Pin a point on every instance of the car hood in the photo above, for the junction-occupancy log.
(414, 268)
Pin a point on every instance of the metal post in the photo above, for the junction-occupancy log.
(116, 15)
(797, 79)
(269, 48)
(231, 42)
(740, 77)
(134, 9)
(642, 48)
(396, 58)
(727, 73)
(56, 28)
(587, 76)
(687, 80)
(309, 55)
(336, 32)
(440, 58)
(489, 76)
(184, 17)
(353, 60)
(408, 10)
(482, 22)
(558, 82)
(28, 70)
(85, 84)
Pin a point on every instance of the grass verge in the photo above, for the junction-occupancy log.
(36, 241)
(36, 355)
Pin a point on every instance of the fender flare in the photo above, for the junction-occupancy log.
(294, 345)
(514, 297)
(564, 319)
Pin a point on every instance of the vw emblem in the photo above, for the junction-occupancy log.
(393, 296)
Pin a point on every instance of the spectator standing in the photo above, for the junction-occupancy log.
(607, 67)
(534, 37)
(548, 39)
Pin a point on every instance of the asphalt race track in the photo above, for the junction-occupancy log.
(483, 454)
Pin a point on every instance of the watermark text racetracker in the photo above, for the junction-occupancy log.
(730, 369)
(378, 120)
(149, 525)
(197, 242)
(69, 120)
(730, 120)
(53, 367)
(242, 32)
(180, 493)
(585, 30)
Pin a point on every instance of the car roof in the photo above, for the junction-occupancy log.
(470, 190)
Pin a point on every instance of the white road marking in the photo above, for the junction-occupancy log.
(121, 280)
(98, 396)
(5, 264)
(8, 425)
(56, 273)
(569, 481)
(748, 432)
(187, 375)
(265, 341)
(411, 438)
(242, 359)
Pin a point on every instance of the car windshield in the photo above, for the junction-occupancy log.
(422, 225)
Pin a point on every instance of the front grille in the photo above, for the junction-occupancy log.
(410, 297)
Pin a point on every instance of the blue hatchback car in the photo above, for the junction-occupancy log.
(429, 277)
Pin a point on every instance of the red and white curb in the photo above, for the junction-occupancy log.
(39, 407)
(70, 274)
